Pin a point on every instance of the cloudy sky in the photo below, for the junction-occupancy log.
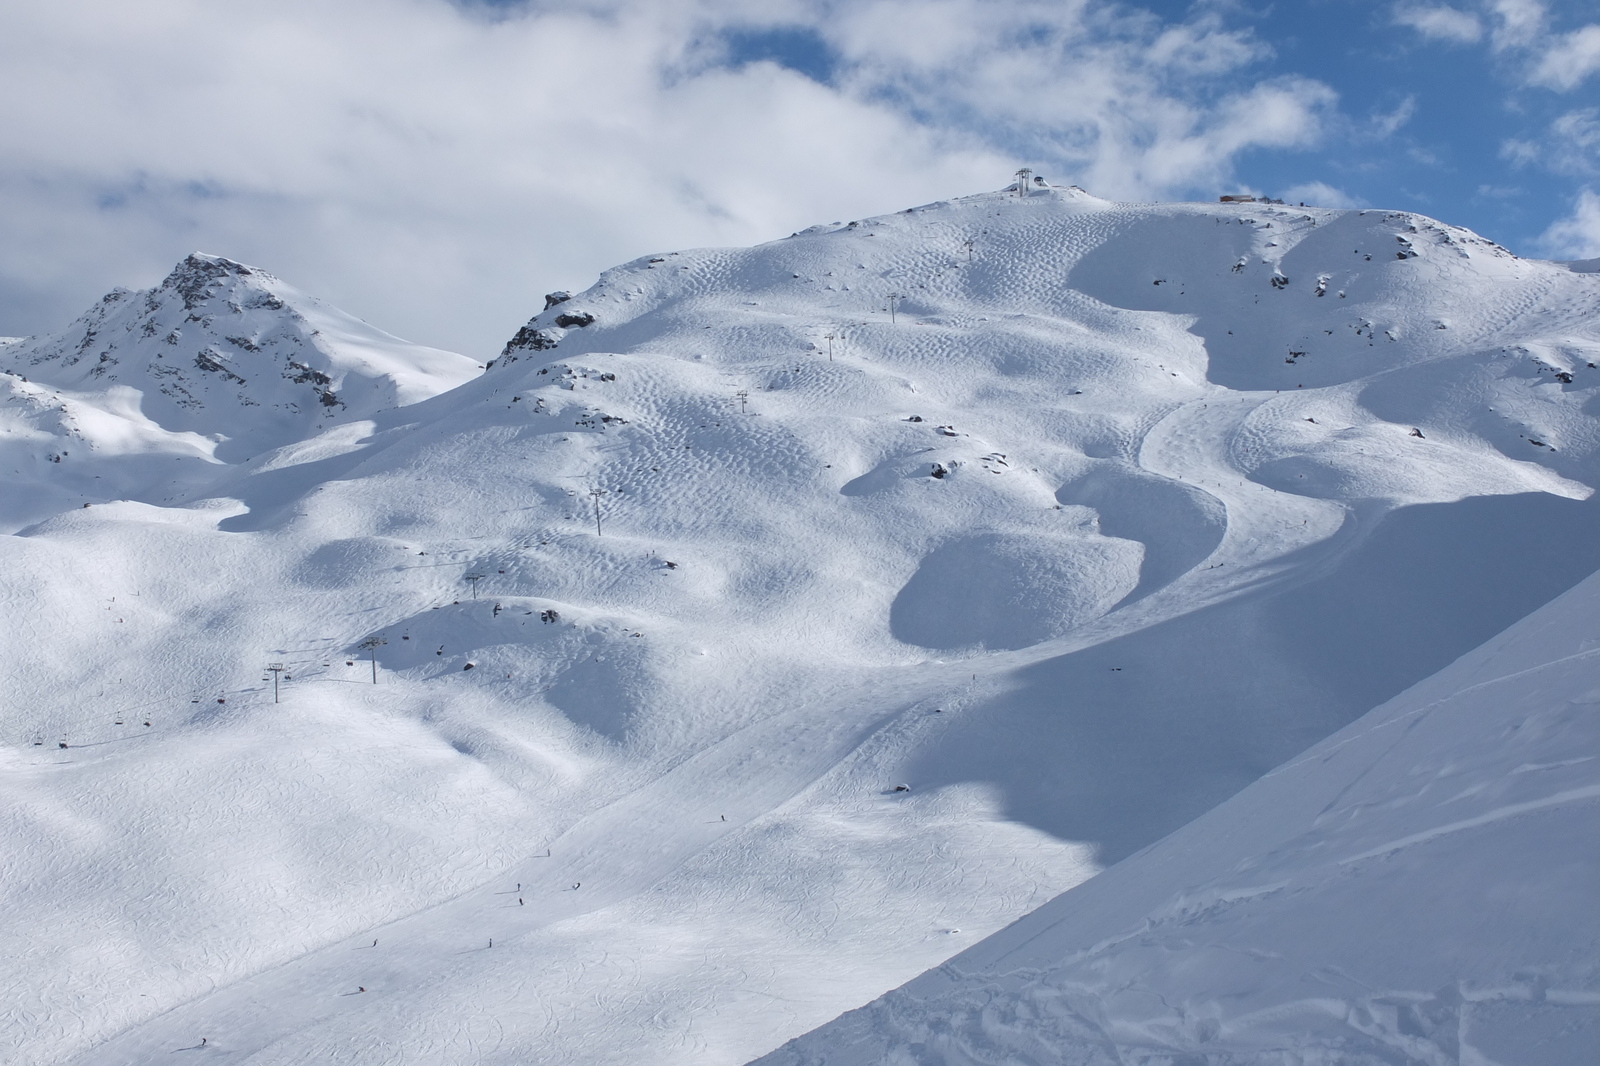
(435, 166)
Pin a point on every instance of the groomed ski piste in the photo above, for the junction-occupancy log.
(761, 628)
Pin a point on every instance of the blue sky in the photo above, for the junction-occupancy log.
(1462, 103)
(436, 165)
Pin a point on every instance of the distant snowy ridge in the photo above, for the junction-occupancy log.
(220, 348)
(218, 363)
(1419, 888)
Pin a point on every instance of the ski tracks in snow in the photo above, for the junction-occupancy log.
(1194, 444)
(613, 854)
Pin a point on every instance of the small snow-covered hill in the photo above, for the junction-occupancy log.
(217, 364)
(1417, 888)
(762, 628)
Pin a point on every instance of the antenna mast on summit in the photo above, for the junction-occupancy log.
(1022, 181)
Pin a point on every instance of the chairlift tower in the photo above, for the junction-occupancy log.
(372, 644)
(276, 669)
(1022, 181)
(474, 578)
(894, 296)
(597, 492)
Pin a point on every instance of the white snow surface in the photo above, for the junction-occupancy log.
(1418, 888)
(1217, 481)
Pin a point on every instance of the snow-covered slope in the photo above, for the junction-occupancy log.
(1083, 532)
(217, 364)
(1418, 888)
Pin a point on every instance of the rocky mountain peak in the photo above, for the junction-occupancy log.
(233, 353)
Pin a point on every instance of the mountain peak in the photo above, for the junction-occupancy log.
(197, 276)
(233, 353)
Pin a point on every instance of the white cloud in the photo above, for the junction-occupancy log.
(1519, 30)
(1521, 152)
(1440, 23)
(1571, 146)
(1575, 142)
(1518, 23)
(1127, 106)
(1553, 61)
(436, 168)
(1569, 60)
(1388, 125)
(1578, 235)
(1319, 194)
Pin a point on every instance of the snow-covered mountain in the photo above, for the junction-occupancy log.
(219, 363)
(1071, 517)
(1417, 888)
